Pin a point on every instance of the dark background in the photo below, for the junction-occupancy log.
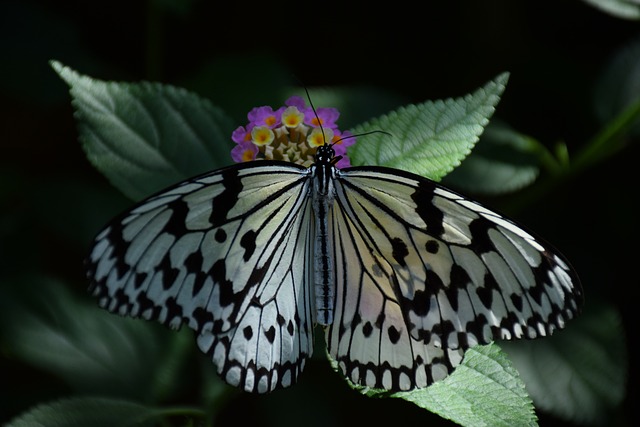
(555, 52)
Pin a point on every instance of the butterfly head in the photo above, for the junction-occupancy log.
(326, 155)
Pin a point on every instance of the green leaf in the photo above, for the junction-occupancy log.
(144, 137)
(626, 9)
(578, 373)
(618, 86)
(87, 411)
(431, 138)
(95, 351)
(503, 161)
(485, 390)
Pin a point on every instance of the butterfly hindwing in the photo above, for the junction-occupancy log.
(227, 254)
(437, 274)
(369, 338)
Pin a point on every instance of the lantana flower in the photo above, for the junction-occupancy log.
(291, 133)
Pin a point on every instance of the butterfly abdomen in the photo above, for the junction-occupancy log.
(323, 194)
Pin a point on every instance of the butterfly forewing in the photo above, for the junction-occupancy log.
(227, 254)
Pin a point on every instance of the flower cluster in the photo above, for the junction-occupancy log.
(291, 133)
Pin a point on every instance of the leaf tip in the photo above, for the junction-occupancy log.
(66, 73)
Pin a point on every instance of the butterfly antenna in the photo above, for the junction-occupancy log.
(356, 135)
(315, 113)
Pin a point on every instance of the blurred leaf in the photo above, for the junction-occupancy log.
(485, 390)
(147, 136)
(87, 411)
(578, 373)
(618, 86)
(95, 351)
(502, 161)
(626, 9)
(613, 137)
(431, 138)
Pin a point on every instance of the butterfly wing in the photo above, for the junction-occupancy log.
(227, 254)
(369, 337)
(424, 273)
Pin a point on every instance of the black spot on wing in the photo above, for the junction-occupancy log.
(432, 246)
(169, 274)
(459, 277)
(399, 251)
(270, 334)
(380, 320)
(394, 334)
(485, 292)
(118, 246)
(176, 225)
(430, 214)
(476, 327)
(219, 276)
(433, 282)
(139, 279)
(220, 235)
(420, 303)
(174, 310)
(247, 332)
(367, 329)
(481, 242)
(248, 243)
(193, 264)
(290, 328)
(226, 200)
(516, 300)
(147, 307)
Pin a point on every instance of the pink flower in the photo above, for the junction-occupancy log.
(244, 152)
(264, 116)
(241, 134)
(291, 133)
(326, 117)
(296, 101)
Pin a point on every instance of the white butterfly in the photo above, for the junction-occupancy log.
(403, 273)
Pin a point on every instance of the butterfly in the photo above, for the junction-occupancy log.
(402, 273)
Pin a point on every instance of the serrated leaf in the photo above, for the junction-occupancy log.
(144, 137)
(431, 138)
(578, 373)
(95, 352)
(87, 411)
(626, 9)
(485, 390)
(502, 161)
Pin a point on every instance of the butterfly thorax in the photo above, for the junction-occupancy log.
(323, 193)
